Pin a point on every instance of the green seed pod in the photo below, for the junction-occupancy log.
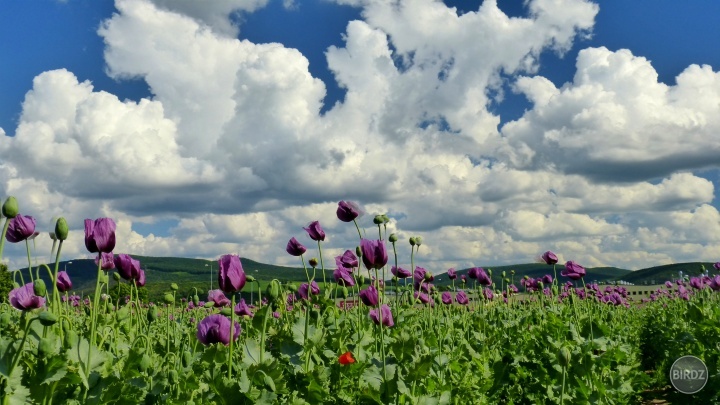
(378, 220)
(385, 218)
(71, 339)
(502, 274)
(186, 359)
(507, 280)
(47, 318)
(209, 304)
(145, 363)
(61, 229)
(313, 262)
(413, 242)
(5, 320)
(168, 298)
(490, 272)
(512, 272)
(273, 290)
(196, 300)
(173, 376)
(564, 356)
(428, 277)
(10, 208)
(39, 287)
(46, 347)
(173, 286)
(393, 238)
(16, 285)
(250, 279)
(344, 292)
(358, 251)
(226, 311)
(116, 276)
(152, 314)
(418, 240)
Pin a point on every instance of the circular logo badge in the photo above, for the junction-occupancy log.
(688, 374)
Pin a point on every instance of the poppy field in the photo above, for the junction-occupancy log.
(376, 333)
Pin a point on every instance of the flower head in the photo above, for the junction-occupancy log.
(343, 277)
(399, 272)
(383, 316)
(24, 298)
(479, 274)
(63, 282)
(128, 267)
(447, 298)
(369, 296)
(140, 280)
(315, 231)
(348, 260)
(346, 358)
(216, 329)
(295, 248)
(20, 228)
(100, 235)
(461, 298)
(306, 289)
(374, 255)
(452, 274)
(108, 260)
(347, 211)
(218, 298)
(549, 257)
(231, 276)
(421, 275)
(573, 270)
(547, 279)
(242, 309)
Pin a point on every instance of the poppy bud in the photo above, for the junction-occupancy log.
(418, 240)
(503, 274)
(428, 277)
(226, 311)
(250, 279)
(4, 320)
(385, 218)
(196, 300)
(313, 262)
(555, 290)
(71, 339)
(393, 238)
(512, 272)
(173, 376)
(413, 242)
(173, 286)
(186, 359)
(61, 229)
(152, 315)
(344, 292)
(116, 276)
(168, 298)
(378, 220)
(507, 280)
(39, 287)
(358, 251)
(47, 318)
(46, 347)
(15, 285)
(273, 290)
(10, 208)
(209, 304)
(145, 363)
(564, 357)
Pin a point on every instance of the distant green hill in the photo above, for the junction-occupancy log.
(189, 273)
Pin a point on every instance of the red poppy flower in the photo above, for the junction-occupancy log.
(346, 358)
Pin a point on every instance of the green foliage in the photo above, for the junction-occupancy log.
(6, 283)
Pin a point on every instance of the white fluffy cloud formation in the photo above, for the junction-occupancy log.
(233, 147)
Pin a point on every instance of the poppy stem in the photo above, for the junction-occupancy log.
(4, 232)
(27, 248)
(232, 335)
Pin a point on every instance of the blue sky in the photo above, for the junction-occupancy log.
(201, 138)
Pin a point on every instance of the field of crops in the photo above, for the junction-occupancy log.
(569, 343)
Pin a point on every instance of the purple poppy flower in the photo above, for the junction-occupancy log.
(383, 316)
(276, 315)
(461, 298)
(231, 276)
(447, 298)
(424, 298)
(716, 266)
(420, 275)
(295, 248)
(216, 329)
(24, 298)
(547, 279)
(697, 283)
(374, 255)
(369, 296)
(315, 231)
(668, 284)
(242, 309)
(100, 235)
(140, 280)
(549, 257)
(63, 282)
(424, 287)
(20, 228)
(347, 211)
(482, 277)
(108, 261)
(399, 272)
(219, 298)
(573, 270)
(452, 275)
(348, 260)
(513, 288)
(489, 294)
(128, 267)
(305, 290)
(343, 277)
(715, 283)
